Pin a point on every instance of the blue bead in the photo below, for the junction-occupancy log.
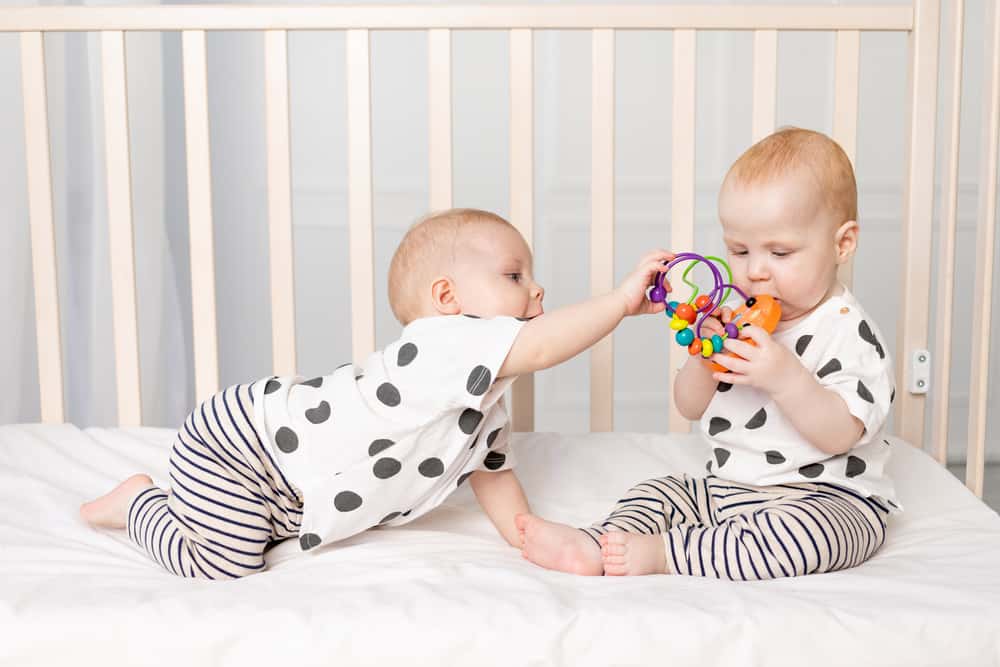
(684, 337)
(717, 343)
(671, 308)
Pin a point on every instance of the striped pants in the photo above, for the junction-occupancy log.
(712, 527)
(227, 499)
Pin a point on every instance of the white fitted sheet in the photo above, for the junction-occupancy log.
(446, 589)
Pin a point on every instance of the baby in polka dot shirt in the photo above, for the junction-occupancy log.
(796, 478)
(382, 442)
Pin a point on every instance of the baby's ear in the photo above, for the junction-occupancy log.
(444, 297)
(846, 240)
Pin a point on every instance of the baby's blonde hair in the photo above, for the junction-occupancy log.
(426, 251)
(792, 148)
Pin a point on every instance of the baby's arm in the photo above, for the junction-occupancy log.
(502, 498)
(554, 337)
(694, 385)
(694, 388)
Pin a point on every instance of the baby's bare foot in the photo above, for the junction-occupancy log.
(556, 546)
(111, 509)
(626, 554)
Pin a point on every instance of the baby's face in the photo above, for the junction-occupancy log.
(493, 273)
(781, 240)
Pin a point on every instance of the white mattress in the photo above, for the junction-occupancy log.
(446, 590)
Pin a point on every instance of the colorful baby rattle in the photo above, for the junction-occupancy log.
(761, 310)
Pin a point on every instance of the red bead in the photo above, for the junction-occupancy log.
(686, 312)
(695, 347)
(701, 301)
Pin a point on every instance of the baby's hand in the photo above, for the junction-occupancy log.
(768, 366)
(715, 323)
(634, 288)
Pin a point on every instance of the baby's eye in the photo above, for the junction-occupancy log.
(738, 253)
(780, 253)
(516, 277)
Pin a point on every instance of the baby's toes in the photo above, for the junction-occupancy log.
(617, 543)
(614, 569)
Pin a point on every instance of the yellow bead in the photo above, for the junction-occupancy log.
(677, 323)
(706, 347)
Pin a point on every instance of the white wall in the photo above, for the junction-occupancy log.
(400, 118)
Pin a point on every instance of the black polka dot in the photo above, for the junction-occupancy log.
(774, 457)
(464, 476)
(386, 467)
(494, 460)
(319, 414)
(721, 455)
(471, 316)
(802, 343)
(388, 394)
(493, 436)
(864, 393)
(708, 465)
(407, 512)
(868, 336)
(525, 319)
(855, 466)
(358, 377)
(469, 420)
(479, 381)
(389, 517)
(724, 387)
(309, 541)
(407, 353)
(892, 396)
(718, 425)
(315, 382)
(432, 467)
(272, 386)
(758, 420)
(378, 445)
(812, 470)
(831, 366)
(347, 501)
(286, 439)
(343, 365)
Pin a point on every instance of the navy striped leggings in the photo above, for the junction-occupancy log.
(712, 527)
(227, 500)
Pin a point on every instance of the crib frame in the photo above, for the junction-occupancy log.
(920, 22)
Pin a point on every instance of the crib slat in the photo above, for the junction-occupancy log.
(983, 284)
(199, 183)
(279, 204)
(359, 152)
(765, 82)
(522, 186)
(43, 239)
(917, 215)
(439, 63)
(845, 111)
(946, 247)
(602, 234)
(681, 190)
(120, 232)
